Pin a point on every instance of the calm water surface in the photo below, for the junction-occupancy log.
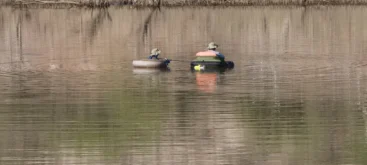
(297, 94)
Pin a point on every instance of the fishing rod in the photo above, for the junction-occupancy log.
(179, 60)
(173, 60)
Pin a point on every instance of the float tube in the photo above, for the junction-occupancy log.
(208, 60)
(149, 63)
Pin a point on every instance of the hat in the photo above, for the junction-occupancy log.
(155, 51)
(212, 45)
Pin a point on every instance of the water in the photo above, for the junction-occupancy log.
(297, 94)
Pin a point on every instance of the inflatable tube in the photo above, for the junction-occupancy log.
(204, 65)
(151, 63)
(206, 54)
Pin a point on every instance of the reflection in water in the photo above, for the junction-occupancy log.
(296, 96)
(150, 70)
(206, 82)
(97, 21)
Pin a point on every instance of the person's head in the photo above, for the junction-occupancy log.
(155, 52)
(212, 46)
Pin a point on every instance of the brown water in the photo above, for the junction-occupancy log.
(297, 94)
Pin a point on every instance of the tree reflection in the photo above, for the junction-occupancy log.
(97, 22)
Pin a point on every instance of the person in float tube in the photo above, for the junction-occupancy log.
(213, 47)
(154, 54)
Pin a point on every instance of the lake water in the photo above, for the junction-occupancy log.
(297, 94)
